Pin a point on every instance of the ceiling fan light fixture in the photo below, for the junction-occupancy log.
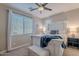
(40, 8)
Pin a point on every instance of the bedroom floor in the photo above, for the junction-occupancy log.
(18, 52)
(71, 51)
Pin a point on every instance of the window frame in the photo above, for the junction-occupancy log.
(9, 21)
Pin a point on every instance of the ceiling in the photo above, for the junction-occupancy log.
(56, 8)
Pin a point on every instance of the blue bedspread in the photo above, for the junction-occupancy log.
(46, 39)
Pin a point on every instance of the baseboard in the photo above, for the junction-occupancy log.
(2, 52)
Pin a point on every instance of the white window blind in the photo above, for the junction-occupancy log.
(21, 24)
(28, 25)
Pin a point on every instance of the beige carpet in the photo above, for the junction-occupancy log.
(24, 52)
(17, 52)
(71, 51)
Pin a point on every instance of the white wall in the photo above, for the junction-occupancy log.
(3, 28)
(73, 20)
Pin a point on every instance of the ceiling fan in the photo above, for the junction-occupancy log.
(41, 7)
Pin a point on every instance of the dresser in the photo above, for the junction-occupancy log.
(73, 42)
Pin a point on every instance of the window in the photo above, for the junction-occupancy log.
(21, 24)
(28, 25)
(16, 24)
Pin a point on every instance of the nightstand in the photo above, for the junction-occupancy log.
(73, 42)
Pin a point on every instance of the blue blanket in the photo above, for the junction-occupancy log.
(46, 39)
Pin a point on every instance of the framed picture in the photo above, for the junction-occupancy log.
(54, 32)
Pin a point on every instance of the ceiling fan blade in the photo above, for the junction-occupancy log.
(47, 9)
(44, 4)
(37, 4)
(33, 9)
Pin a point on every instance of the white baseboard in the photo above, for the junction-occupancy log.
(2, 52)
